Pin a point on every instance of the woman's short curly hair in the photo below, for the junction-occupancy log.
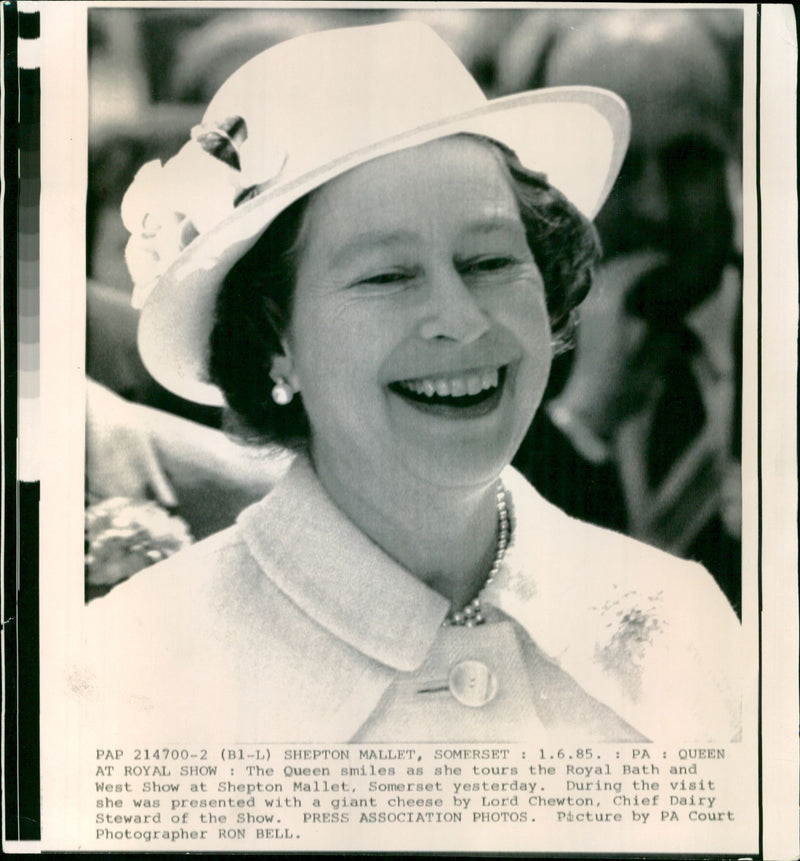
(254, 305)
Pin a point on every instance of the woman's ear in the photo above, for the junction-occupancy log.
(282, 371)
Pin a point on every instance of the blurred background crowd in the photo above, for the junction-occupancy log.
(640, 430)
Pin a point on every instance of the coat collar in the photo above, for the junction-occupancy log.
(346, 583)
(337, 576)
(600, 605)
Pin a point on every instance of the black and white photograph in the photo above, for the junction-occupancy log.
(403, 580)
(417, 367)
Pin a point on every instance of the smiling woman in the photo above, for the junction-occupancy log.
(254, 300)
(384, 293)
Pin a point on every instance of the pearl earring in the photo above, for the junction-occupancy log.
(282, 392)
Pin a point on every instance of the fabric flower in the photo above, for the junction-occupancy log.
(164, 234)
(168, 205)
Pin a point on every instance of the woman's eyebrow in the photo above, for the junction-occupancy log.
(379, 239)
(495, 223)
(371, 240)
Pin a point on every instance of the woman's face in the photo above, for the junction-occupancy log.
(419, 336)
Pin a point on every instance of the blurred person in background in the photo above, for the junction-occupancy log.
(644, 436)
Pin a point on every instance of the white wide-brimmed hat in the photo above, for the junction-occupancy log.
(301, 113)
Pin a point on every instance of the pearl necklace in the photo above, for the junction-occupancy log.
(472, 613)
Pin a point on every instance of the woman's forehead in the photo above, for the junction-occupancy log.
(461, 180)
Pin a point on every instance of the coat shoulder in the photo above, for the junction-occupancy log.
(596, 559)
(219, 561)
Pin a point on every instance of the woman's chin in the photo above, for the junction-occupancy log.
(463, 472)
(457, 445)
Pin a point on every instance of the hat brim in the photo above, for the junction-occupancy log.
(576, 136)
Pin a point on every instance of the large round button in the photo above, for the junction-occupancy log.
(472, 683)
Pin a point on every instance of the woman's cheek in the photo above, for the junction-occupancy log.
(525, 310)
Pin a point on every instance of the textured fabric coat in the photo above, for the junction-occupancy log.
(293, 626)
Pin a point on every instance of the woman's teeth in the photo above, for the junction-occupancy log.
(453, 387)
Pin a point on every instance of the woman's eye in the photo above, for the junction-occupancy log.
(385, 278)
(489, 264)
(395, 277)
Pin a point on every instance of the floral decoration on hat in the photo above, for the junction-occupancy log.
(169, 205)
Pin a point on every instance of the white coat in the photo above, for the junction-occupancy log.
(293, 626)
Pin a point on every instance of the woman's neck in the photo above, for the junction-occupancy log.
(447, 537)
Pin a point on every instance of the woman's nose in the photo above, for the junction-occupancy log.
(453, 312)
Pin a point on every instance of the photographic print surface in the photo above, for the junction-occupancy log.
(419, 352)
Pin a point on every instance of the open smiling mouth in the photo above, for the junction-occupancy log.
(465, 395)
